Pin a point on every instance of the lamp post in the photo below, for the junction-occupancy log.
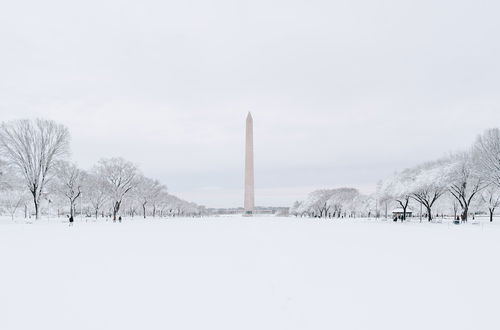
(48, 213)
(420, 212)
(46, 197)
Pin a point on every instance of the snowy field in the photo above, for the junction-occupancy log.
(249, 273)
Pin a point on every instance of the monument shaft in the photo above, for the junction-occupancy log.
(249, 171)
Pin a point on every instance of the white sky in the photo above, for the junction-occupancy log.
(342, 92)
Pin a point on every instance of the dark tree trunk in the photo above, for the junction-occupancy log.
(465, 213)
(116, 208)
(36, 211)
(35, 202)
(404, 206)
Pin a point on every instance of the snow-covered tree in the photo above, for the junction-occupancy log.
(363, 206)
(176, 205)
(202, 210)
(131, 204)
(295, 208)
(148, 191)
(316, 203)
(33, 147)
(339, 199)
(427, 183)
(119, 177)
(465, 181)
(2, 175)
(69, 182)
(96, 193)
(190, 209)
(13, 200)
(338, 202)
(487, 154)
(58, 202)
(490, 198)
(162, 205)
(13, 194)
(399, 188)
(383, 198)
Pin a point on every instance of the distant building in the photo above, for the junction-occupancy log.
(277, 211)
(399, 212)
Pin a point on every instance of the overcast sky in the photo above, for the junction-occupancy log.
(342, 92)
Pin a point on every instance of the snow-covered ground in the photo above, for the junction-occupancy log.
(249, 273)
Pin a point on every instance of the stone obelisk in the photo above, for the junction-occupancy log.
(249, 183)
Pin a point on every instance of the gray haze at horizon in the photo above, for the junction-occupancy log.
(342, 92)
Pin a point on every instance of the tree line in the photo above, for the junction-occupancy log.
(35, 170)
(456, 185)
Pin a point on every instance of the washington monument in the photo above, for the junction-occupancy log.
(249, 183)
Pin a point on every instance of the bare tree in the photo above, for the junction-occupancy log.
(33, 147)
(3, 167)
(428, 184)
(171, 205)
(317, 204)
(157, 201)
(69, 182)
(465, 181)
(13, 195)
(164, 204)
(334, 202)
(96, 193)
(383, 197)
(399, 188)
(131, 204)
(147, 191)
(490, 197)
(13, 200)
(321, 205)
(119, 177)
(362, 205)
(340, 198)
(57, 201)
(487, 153)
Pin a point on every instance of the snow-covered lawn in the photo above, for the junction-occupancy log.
(249, 273)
